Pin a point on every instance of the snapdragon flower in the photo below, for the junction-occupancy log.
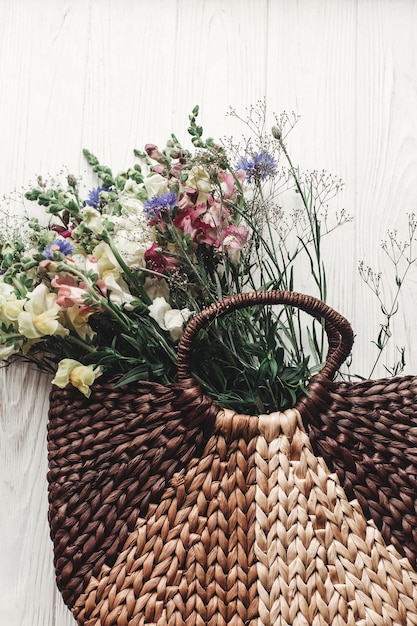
(79, 375)
(169, 319)
(40, 315)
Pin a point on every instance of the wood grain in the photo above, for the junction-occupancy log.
(112, 75)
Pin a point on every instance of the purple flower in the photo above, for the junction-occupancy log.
(94, 197)
(165, 202)
(59, 245)
(259, 166)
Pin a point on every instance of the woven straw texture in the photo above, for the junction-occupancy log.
(367, 432)
(166, 509)
(258, 531)
(109, 457)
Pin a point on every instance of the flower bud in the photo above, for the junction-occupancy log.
(276, 132)
(72, 181)
(153, 152)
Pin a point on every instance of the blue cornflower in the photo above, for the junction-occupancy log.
(94, 199)
(59, 245)
(165, 202)
(259, 166)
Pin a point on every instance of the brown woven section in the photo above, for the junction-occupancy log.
(259, 532)
(191, 561)
(109, 457)
(368, 433)
(319, 562)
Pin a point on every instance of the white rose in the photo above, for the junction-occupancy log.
(132, 246)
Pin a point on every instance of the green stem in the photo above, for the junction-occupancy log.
(388, 317)
(127, 271)
(314, 225)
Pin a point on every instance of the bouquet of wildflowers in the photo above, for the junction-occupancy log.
(106, 283)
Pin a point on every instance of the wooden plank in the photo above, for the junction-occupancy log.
(386, 139)
(111, 76)
(27, 585)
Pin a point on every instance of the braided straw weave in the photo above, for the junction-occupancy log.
(168, 510)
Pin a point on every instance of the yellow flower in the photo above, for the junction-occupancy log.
(80, 376)
(78, 322)
(40, 315)
(10, 306)
(199, 179)
(104, 260)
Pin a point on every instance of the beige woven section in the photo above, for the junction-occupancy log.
(257, 532)
(319, 561)
(192, 560)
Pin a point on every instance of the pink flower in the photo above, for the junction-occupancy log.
(188, 200)
(154, 153)
(227, 183)
(91, 263)
(176, 170)
(235, 237)
(217, 215)
(70, 293)
(190, 222)
(48, 265)
(159, 262)
(62, 231)
(158, 169)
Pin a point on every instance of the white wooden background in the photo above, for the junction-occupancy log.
(112, 75)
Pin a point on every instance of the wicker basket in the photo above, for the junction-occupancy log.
(166, 509)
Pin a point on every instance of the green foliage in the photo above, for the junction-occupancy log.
(111, 280)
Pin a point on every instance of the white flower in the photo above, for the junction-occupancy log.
(5, 289)
(103, 260)
(131, 198)
(199, 179)
(119, 291)
(132, 237)
(174, 321)
(155, 287)
(92, 219)
(6, 351)
(169, 319)
(155, 185)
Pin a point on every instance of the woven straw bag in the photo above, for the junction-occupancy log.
(167, 509)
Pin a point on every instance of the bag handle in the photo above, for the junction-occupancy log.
(339, 331)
